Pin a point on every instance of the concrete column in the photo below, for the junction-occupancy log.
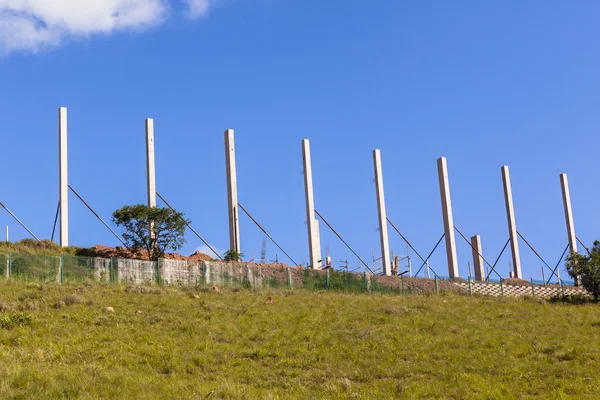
(232, 196)
(478, 263)
(383, 232)
(63, 188)
(566, 195)
(150, 169)
(448, 219)
(512, 226)
(314, 241)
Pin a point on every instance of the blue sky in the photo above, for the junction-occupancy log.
(484, 84)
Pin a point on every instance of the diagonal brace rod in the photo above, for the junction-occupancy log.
(473, 247)
(266, 233)
(406, 240)
(343, 241)
(427, 259)
(97, 216)
(192, 229)
(557, 264)
(584, 246)
(532, 249)
(496, 262)
(19, 221)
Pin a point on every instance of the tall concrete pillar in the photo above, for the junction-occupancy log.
(383, 232)
(150, 169)
(478, 263)
(63, 188)
(566, 195)
(512, 225)
(232, 195)
(448, 219)
(314, 241)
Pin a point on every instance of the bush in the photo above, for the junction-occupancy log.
(588, 268)
(9, 321)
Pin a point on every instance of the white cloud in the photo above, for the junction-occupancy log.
(198, 8)
(32, 25)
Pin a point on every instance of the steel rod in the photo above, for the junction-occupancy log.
(97, 216)
(427, 259)
(192, 229)
(466, 240)
(19, 221)
(55, 221)
(405, 239)
(343, 241)
(266, 233)
(496, 262)
(554, 272)
(584, 246)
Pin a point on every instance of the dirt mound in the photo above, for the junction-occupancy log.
(121, 252)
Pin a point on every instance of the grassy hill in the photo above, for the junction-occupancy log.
(43, 248)
(59, 342)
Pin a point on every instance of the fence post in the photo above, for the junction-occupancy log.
(327, 278)
(111, 273)
(366, 282)
(289, 278)
(562, 286)
(402, 280)
(532, 288)
(501, 287)
(62, 268)
(470, 290)
(203, 272)
(437, 290)
(158, 271)
(247, 275)
(9, 271)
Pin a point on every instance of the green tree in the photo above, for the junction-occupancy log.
(232, 255)
(155, 230)
(588, 268)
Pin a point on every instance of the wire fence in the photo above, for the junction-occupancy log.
(65, 268)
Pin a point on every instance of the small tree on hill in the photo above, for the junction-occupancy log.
(588, 268)
(155, 230)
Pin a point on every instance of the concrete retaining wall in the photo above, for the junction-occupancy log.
(495, 289)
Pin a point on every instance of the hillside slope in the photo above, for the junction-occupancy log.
(59, 342)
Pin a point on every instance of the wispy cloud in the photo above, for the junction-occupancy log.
(33, 25)
(199, 8)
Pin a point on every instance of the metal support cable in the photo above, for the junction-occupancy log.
(584, 246)
(557, 264)
(266, 233)
(427, 259)
(496, 262)
(55, 220)
(19, 221)
(472, 247)
(191, 229)
(532, 249)
(97, 216)
(343, 241)
(406, 240)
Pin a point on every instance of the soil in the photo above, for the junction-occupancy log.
(120, 252)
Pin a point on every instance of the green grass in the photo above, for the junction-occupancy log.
(58, 342)
(43, 248)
